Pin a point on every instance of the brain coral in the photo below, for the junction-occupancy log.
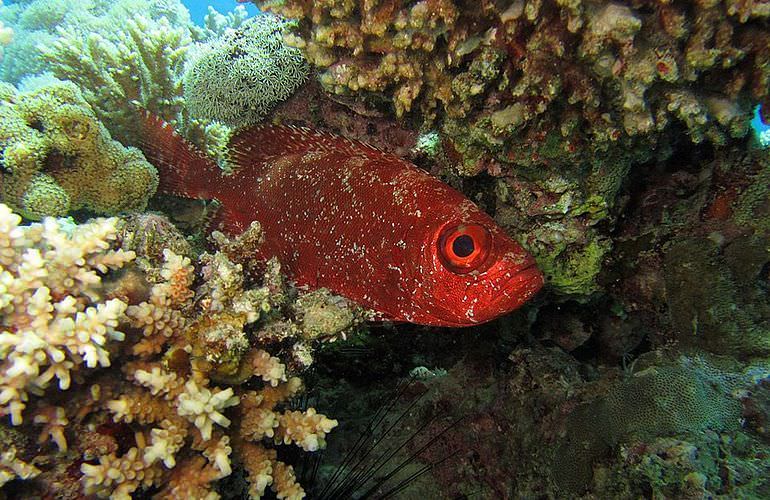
(57, 157)
(237, 78)
(513, 77)
(686, 395)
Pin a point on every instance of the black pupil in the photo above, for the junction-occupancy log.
(462, 246)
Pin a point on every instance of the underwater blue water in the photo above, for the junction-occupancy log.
(199, 8)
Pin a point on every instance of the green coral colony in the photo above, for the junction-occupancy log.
(623, 143)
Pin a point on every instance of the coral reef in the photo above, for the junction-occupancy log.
(671, 424)
(185, 344)
(140, 63)
(577, 77)
(36, 23)
(655, 384)
(240, 76)
(664, 399)
(610, 138)
(57, 157)
(557, 100)
(564, 219)
(712, 301)
(78, 297)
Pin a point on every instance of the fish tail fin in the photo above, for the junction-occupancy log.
(183, 169)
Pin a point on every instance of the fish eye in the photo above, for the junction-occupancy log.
(464, 248)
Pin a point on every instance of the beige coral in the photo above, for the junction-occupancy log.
(52, 317)
(118, 477)
(54, 420)
(525, 80)
(268, 367)
(306, 429)
(177, 397)
(169, 392)
(12, 467)
(203, 407)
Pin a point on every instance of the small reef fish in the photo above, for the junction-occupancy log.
(367, 225)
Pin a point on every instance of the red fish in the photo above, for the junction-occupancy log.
(365, 224)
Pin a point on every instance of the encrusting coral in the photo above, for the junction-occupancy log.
(57, 156)
(516, 79)
(241, 75)
(72, 299)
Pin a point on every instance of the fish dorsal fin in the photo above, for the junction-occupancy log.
(264, 142)
(183, 169)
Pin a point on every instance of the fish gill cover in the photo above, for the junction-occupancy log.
(618, 145)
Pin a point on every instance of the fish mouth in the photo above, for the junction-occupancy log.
(530, 273)
(517, 289)
(512, 292)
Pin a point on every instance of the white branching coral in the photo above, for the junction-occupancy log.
(202, 406)
(184, 387)
(118, 477)
(12, 467)
(163, 312)
(51, 313)
(268, 367)
(307, 429)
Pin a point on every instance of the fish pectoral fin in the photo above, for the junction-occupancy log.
(223, 217)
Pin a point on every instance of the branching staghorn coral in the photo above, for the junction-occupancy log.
(173, 359)
(12, 467)
(142, 65)
(165, 404)
(36, 23)
(54, 320)
(186, 341)
(57, 156)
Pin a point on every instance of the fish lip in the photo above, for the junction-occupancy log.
(530, 273)
(525, 282)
